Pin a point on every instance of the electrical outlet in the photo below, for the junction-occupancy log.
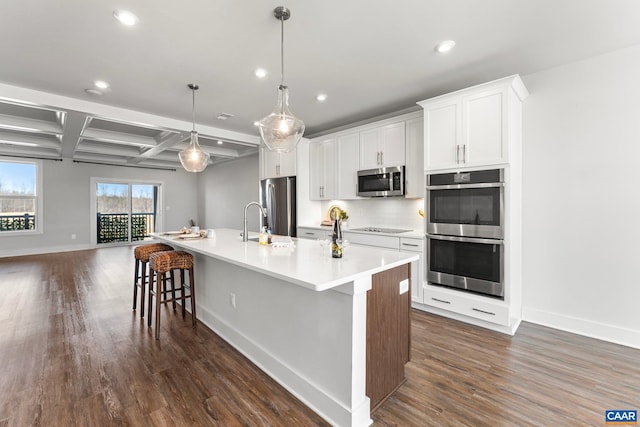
(404, 286)
(232, 300)
(73, 237)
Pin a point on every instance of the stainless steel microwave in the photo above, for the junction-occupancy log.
(382, 182)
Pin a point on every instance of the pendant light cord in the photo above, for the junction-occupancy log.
(282, 51)
(193, 109)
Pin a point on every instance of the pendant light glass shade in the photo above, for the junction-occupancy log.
(193, 158)
(281, 130)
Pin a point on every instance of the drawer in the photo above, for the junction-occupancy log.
(411, 244)
(472, 306)
(313, 233)
(388, 242)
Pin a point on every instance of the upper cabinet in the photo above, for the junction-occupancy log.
(414, 170)
(347, 176)
(472, 127)
(382, 146)
(273, 165)
(322, 169)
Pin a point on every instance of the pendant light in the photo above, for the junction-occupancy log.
(193, 158)
(281, 130)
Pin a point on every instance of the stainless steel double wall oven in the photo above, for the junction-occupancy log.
(465, 231)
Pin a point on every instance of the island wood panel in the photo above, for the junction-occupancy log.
(388, 333)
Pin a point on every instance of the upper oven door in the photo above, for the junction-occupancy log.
(473, 210)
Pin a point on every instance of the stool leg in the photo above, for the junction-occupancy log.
(135, 284)
(192, 294)
(173, 289)
(152, 275)
(143, 281)
(158, 303)
(183, 299)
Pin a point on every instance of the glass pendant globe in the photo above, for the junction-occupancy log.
(281, 130)
(193, 158)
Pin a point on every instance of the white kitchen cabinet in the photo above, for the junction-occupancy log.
(347, 153)
(314, 233)
(468, 305)
(380, 241)
(472, 127)
(323, 169)
(414, 147)
(274, 164)
(415, 245)
(383, 146)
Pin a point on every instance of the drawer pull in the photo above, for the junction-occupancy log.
(441, 300)
(410, 244)
(483, 311)
(309, 234)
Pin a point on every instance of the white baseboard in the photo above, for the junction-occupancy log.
(315, 398)
(45, 250)
(588, 328)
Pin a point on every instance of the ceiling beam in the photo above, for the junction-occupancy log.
(118, 137)
(73, 126)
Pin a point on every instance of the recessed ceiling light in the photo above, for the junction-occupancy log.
(445, 46)
(261, 73)
(125, 17)
(95, 92)
(220, 142)
(321, 97)
(101, 84)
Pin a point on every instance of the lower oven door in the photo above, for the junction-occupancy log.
(471, 264)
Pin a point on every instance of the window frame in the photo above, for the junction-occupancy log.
(39, 196)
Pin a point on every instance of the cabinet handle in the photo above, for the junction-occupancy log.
(483, 311)
(309, 234)
(457, 154)
(410, 244)
(464, 153)
(278, 170)
(381, 158)
(441, 300)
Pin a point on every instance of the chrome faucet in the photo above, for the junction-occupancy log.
(244, 230)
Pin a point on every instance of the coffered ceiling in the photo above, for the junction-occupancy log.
(370, 57)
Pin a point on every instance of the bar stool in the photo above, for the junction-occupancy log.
(141, 254)
(161, 263)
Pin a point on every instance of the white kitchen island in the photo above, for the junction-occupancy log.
(300, 316)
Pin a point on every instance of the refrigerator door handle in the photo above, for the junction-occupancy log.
(271, 206)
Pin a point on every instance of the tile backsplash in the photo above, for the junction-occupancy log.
(381, 212)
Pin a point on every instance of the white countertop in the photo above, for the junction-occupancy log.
(303, 265)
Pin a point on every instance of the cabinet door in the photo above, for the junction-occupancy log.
(392, 145)
(322, 170)
(442, 135)
(330, 169)
(348, 147)
(287, 163)
(414, 172)
(484, 127)
(277, 164)
(316, 171)
(370, 149)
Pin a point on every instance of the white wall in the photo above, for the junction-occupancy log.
(67, 203)
(581, 202)
(225, 189)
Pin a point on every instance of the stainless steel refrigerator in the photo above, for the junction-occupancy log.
(278, 197)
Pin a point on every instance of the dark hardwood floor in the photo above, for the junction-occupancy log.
(73, 353)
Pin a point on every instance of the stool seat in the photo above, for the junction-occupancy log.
(161, 263)
(141, 255)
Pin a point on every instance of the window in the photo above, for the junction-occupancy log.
(20, 196)
(124, 211)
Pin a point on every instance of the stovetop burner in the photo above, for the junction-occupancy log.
(381, 230)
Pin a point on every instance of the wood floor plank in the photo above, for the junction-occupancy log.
(72, 353)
